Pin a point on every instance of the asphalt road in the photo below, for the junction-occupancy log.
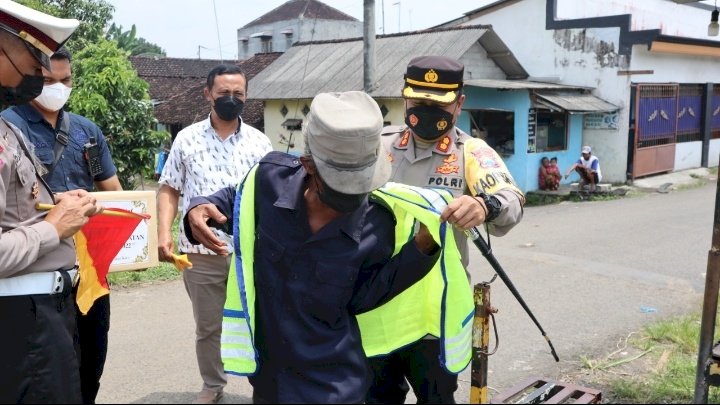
(591, 272)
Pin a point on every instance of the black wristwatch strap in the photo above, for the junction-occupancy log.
(492, 204)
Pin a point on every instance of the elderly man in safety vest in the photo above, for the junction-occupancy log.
(316, 246)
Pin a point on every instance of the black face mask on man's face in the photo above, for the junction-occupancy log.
(340, 202)
(429, 122)
(29, 88)
(228, 108)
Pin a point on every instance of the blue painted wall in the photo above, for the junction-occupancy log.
(523, 166)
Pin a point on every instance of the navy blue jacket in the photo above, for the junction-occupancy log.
(71, 172)
(310, 286)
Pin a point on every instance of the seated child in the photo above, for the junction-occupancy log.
(554, 171)
(548, 176)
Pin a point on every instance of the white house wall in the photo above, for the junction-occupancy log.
(714, 157)
(316, 30)
(302, 31)
(274, 119)
(671, 68)
(671, 18)
(688, 155)
(478, 65)
(581, 57)
(589, 57)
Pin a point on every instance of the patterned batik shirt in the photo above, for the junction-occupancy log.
(201, 163)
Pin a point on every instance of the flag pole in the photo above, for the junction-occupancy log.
(107, 211)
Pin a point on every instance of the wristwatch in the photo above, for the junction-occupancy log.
(492, 204)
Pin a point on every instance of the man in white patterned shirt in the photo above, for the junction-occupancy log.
(206, 157)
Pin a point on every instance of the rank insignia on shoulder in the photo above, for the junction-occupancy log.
(404, 140)
(443, 145)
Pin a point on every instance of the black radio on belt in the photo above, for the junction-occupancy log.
(92, 155)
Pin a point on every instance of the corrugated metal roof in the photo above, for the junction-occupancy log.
(574, 102)
(501, 55)
(520, 85)
(338, 65)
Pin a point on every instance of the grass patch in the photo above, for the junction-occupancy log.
(535, 199)
(656, 365)
(578, 197)
(163, 272)
(697, 182)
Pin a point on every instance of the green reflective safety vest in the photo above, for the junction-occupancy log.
(440, 304)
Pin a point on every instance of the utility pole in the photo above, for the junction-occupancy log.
(397, 3)
(382, 4)
(369, 46)
(201, 47)
(705, 369)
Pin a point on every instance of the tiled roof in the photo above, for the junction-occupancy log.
(299, 9)
(174, 67)
(177, 85)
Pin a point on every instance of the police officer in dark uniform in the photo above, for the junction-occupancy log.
(37, 254)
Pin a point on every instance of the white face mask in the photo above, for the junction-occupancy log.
(54, 97)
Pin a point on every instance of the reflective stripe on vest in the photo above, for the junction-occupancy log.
(236, 342)
(440, 304)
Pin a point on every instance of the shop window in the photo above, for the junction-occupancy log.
(496, 127)
(551, 131)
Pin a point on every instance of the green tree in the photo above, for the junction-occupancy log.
(108, 91)
(93, 14)
(129, 41)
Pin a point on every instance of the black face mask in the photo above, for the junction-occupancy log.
(228, 108)
(428, 122)
(29, 88)
(340, 202)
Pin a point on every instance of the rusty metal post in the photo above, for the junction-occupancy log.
(710, 306)
(480, 343)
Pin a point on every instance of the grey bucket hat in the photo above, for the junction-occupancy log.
(343, 134)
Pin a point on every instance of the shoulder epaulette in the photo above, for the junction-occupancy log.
(392, 130)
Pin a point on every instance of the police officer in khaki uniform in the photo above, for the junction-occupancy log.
(431, 152)
(37, 254)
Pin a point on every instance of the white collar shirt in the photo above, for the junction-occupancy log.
(200, 163)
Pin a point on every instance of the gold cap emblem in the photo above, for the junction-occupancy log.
(431, 76)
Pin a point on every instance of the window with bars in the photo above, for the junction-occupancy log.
(689, 116)
(657, 114)
(672, 113)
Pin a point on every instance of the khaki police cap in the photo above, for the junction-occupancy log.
(435, 78)
(43, 34)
